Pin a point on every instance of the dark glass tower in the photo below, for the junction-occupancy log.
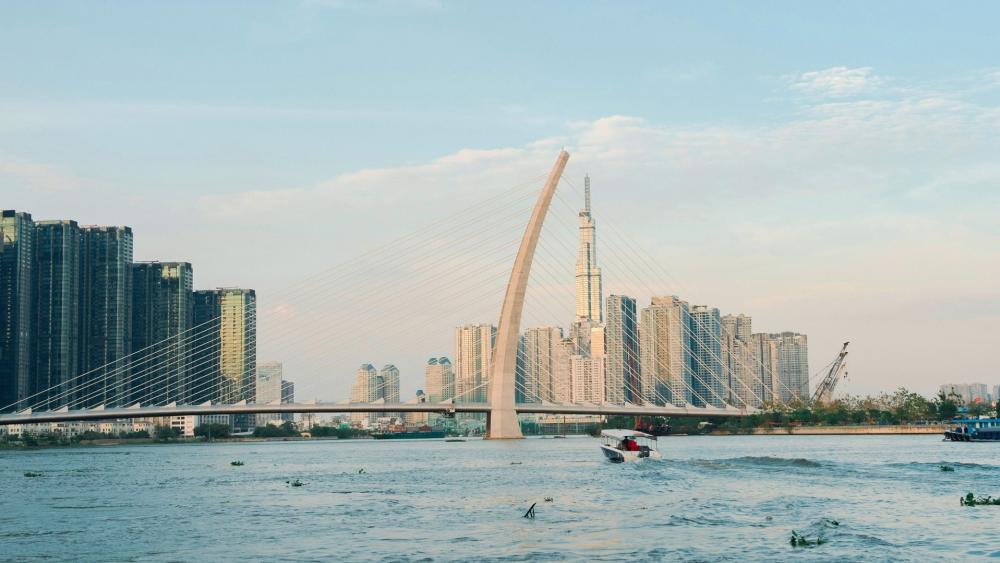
(56, 310)
(226, 363)
(162, 316)
(16, 293)
(106, 313)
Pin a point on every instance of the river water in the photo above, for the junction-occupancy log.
(711, 499)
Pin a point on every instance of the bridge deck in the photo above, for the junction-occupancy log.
(523, 408)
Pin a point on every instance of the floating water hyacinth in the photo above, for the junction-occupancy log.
(799, 540)
(972, 500)
(32, 474)
(236, 463)
(295, 483)
(947, 468)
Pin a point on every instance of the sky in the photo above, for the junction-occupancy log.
(826, 168)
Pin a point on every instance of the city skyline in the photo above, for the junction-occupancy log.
(822, 179)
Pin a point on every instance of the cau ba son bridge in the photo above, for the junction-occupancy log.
(697, 370)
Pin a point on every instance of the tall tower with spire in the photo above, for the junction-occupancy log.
(588, 275)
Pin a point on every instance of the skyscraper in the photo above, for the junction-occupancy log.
(537, 364)
(665, 352)
(588, 275)
(106, 313)
(765, 366)
(162, 319)
(793, 365)
(365, 389)
(225, 360)
(622, 337)
(562, 381)
(57, 310)
(16, 296)
(706, 354)
(473, 355)
(389, 384)
(439, 380)
(268, 389)
(287, 397)
(588, 379)
(743, 387)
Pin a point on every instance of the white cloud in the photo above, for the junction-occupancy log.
(837, 82)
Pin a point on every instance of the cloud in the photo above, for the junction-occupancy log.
(20, 173)
(837, 82)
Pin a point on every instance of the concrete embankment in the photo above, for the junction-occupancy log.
(859, 429)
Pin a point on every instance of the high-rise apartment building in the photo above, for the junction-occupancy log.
(225, 361)
(365, 389)
(390, 384)
(162, 339)
(439, 380)
(56, 312)
(622, 343)
(707, 386)
(473, 356)
(793, 366)
(587, 374)
(764, 352)
(268, 389)
(287, 397)
(538, 360)
(105, 313)
(562, 378)
(665, 352)
(588, 274)
(743, 387)
(16, 297)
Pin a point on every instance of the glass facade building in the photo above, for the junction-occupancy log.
(162, 318)
(16, 296)
(225, 323)
(57, 310)
(106, 314)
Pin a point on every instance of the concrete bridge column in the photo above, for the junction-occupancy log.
(501, 422)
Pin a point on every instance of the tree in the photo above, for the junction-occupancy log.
(212, 430)
(946, 405)
(167, 433)
(978, 409)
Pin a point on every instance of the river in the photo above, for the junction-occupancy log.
(711, 499)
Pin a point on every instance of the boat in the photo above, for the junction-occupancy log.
(615, 446)
(418, 435)
(983, 429)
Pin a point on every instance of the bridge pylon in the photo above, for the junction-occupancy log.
(501, 421)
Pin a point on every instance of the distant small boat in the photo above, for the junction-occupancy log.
(454, 440)
(620, 446)
(974, 430)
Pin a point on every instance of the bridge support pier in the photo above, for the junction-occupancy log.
(501, 421)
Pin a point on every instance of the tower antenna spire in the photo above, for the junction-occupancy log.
(586, 193)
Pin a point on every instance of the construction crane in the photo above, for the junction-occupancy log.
(824, 391)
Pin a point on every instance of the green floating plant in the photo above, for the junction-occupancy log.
(947, 468)
(800, 540)
(32, 474)
(972, 500)
(236, 463)
(295, 483)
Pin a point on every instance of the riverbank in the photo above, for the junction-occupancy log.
(875, 429)
(104, 442)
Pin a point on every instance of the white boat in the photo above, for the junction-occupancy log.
(620, 446)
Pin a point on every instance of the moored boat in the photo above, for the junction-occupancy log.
(620, 446)
(983, 429)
